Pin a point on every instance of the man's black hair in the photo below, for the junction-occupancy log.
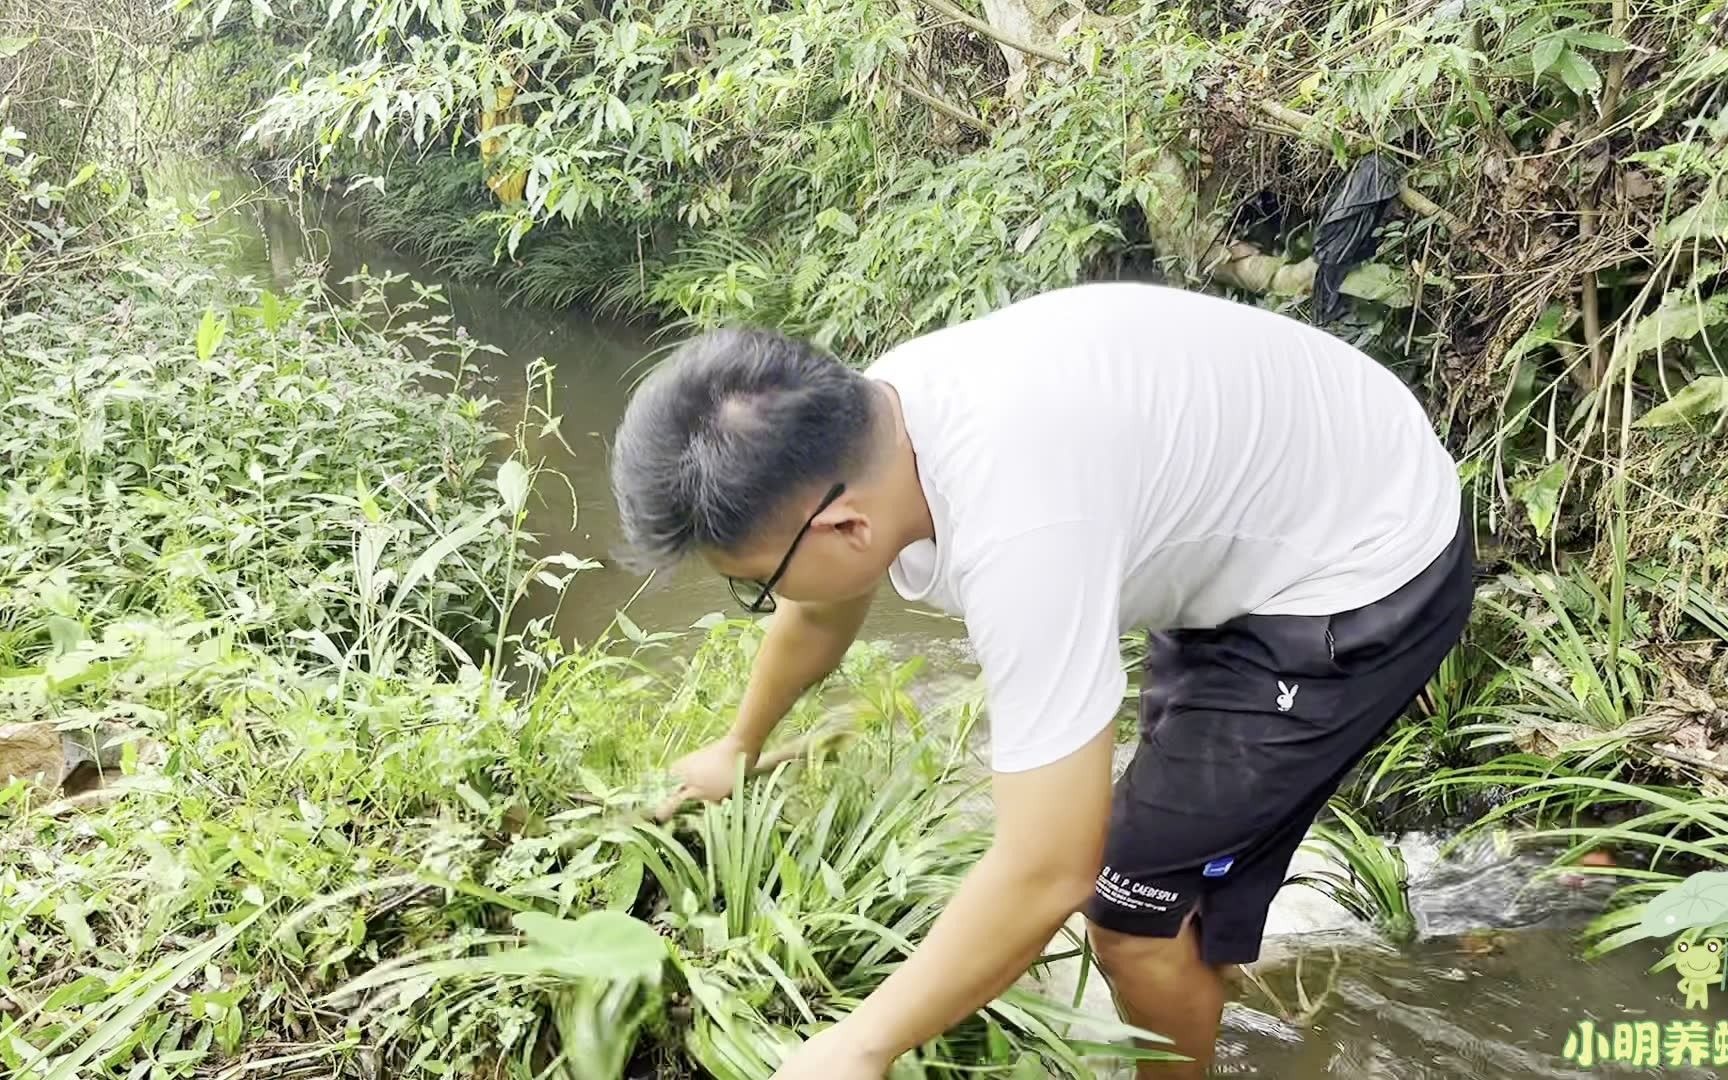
(720, 438)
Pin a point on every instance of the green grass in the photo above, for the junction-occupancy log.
(360, 825)
(1368, 878)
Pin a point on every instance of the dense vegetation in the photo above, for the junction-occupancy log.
(259, 552)
(1548, 270)
(864, 171)
(253, 547)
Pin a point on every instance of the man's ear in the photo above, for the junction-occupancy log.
(850, 523)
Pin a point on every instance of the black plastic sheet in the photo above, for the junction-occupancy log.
(1345, 237)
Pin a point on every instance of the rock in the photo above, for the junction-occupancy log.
(101, 746)
(32, 751)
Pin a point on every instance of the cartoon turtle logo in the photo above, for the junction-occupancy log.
(1699, 964)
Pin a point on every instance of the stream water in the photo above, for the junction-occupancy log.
(1492, 987)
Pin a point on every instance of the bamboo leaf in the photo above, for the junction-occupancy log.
(513, 485)
(1699, 398)
(1590, 39)
(1547, 52)
(1579, 75)
(211, 331)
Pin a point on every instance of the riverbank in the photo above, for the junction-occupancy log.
(262, 567)
(268, 554)
(1533, 696)
(430, 802)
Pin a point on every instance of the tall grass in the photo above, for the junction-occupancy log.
(1367, 877)
(273, 550)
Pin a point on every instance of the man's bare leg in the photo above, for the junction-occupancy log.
(1164, 986)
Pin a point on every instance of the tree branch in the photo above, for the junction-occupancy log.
(1588, 210)
(984, 28)
(1616, 65)
(951, 111)
(1591, 377)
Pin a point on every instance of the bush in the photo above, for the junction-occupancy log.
(254, 542)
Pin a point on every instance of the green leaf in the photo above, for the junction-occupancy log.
(1681, 315)
(1579, 75)
(624, 884)
(1519, 37)
(1547, 52)
(432, 556)
(368, 505)
(832, 881)
(618, 116)
(210, 334)
(65, 633)
(1699, 901)
(1379, 283)
(1706, 221)
(123, 1012)
(474, 799)
(837, 220)
(1701, 397)
(12, 46)
(1029, 1067)
(600, 944)
(270, 309)
(1590, 39)
(1544, 331)
(1541, 495)
(513, 485)
(70, 914)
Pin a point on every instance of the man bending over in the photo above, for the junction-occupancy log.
(1266, 500)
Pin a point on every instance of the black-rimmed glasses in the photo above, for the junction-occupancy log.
(764, 601)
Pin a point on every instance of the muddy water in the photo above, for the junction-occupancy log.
(1492, 988)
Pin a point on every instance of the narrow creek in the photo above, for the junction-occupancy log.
(1491, 989)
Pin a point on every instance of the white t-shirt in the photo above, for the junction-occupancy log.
(1109, 457)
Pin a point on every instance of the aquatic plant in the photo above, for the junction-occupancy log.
(1366, 876)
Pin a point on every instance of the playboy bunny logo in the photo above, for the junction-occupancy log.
(1287, 698)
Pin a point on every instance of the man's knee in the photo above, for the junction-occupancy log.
(1139, 957)
(1131, 955)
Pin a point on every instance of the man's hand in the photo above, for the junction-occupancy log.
(803, 644)
(709, 774)
(833, 1055)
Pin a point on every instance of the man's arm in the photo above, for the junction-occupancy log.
(1040, 869)
(803, 643)
(1041, 613)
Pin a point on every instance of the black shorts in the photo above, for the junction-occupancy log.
(1246, 730)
